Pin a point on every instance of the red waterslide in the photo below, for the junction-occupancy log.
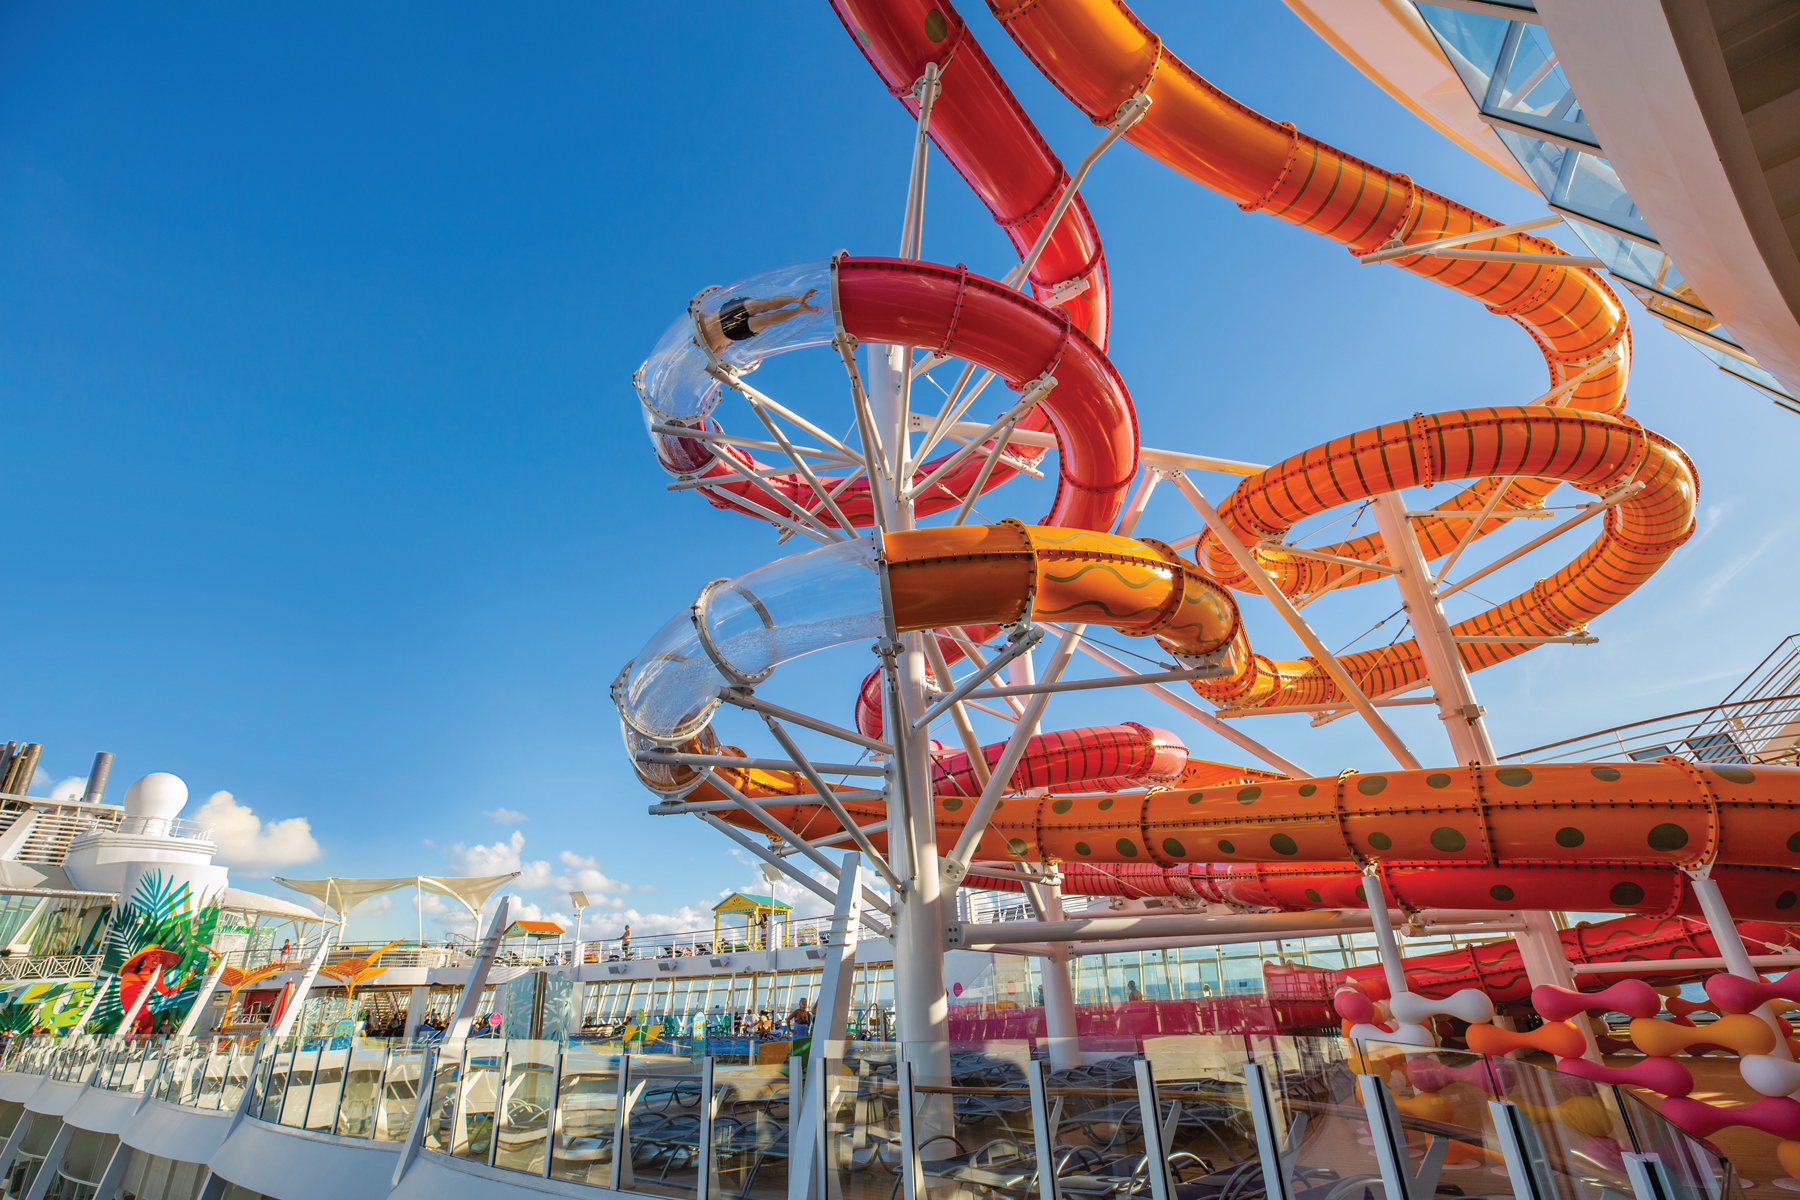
(979, 126)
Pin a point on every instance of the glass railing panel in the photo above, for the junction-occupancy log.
(362, 1088)
(527, 1101)
(275, 1084)
(1098, 1143)
(328, 1089)
(663, 1133)
(446, 1080)
(1594, 189)
(1471, 41)
(399, 1095)
(264, 1064)
(178, 1056)
(1321, 1130)
(211, 1076)
(972, 1119)
(1201, 1101)
(1694, 1168)
(199, 1059)
(861, 1120)
(1442, 1098)
(299, 1088)
(473, 1134)
(750, 1130)
(581, 1143)
(1579, 1126)
(237, 1077)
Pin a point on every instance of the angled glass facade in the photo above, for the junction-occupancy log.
(1513, 76)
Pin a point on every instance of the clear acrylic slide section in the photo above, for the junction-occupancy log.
(745, 322)
(778, 612)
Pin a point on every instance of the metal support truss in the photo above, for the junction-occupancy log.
(1237, 737)
(1398, 249)
(831, 802)
(1346, 685)
(787, 835)
(1457, 707)
(800, 877)
(1622, 492)
(743, 698)
(956, 864)
(1018, 646)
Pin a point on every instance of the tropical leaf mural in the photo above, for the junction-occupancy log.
(159, 939)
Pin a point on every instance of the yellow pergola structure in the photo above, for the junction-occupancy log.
(760, 914)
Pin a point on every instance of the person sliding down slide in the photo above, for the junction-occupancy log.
(743, 317)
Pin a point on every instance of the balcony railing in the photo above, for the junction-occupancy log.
(1743, 732)
(989, 1118)
(49, 966)
(167, 827)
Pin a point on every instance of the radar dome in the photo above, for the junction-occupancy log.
(158, 796)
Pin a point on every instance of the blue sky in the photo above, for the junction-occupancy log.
(327, 484)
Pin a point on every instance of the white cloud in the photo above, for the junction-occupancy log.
(585, 875)
(520, 910)
(610, 924)
(72, 788)
(505, 816)
(249, 844)
(499, 858)
(374, 906)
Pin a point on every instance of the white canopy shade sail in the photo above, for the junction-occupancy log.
(470, 891)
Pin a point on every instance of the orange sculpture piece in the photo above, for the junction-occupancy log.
(237, 980)
(352, 971)
(1555, 1037)
(1742, 1033)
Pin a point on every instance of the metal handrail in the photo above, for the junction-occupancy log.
(1616, 730)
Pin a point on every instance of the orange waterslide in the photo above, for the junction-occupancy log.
(1752, 893)
(1099, 54)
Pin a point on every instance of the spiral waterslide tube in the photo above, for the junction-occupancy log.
(986, 136)
(1753, 893)
(1098, 54)
(904, 302)
(981, 129)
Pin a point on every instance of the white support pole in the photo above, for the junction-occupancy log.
(207, 987)
(1546, 962)
(1725, 934)
(1457, 708)
(912, 228)
(470, 1000)
(418, 1004)
(920, 1004)
(831, 1025)
(1060, 1028)
(102, 984)
(1140, 499)
(1388, 950)
(302, 986)
(1326, 659)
